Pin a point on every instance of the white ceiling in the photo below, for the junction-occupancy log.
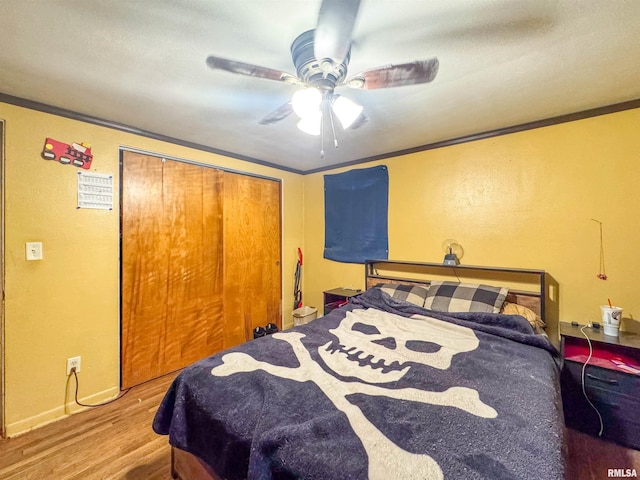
(141, 63)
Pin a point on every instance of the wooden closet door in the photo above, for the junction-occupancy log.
(171, 266)
(252, 256)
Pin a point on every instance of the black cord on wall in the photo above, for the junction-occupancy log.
(75, 375)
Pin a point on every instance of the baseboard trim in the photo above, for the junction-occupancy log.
(20, 427)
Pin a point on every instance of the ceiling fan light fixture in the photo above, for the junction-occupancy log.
(306, 102)
(321, 58)
(311, 123)
(346, 110)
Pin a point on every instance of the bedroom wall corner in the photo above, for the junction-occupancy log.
(525, 200)
(68, 303)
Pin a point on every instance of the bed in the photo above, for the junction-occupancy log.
(380, 388)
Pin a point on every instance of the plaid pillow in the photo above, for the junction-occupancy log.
(464, 297)
(409, 293)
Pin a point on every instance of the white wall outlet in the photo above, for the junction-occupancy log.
(73, 362)
(34, 250)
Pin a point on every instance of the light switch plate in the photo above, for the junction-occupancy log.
(34, 250)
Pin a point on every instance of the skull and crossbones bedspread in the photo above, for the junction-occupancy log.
(379, 389)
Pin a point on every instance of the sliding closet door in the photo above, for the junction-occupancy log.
(171, 266)
(252, 253)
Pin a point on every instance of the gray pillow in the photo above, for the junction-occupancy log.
(464, 297)
(409, 293)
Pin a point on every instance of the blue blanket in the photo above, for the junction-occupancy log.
(378, 389)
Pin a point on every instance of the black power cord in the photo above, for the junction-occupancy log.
(75, 375)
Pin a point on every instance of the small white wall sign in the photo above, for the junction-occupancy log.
(95, 190)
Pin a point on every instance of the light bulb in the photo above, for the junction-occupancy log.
(306, 101)
(346, 110)
(311, 123)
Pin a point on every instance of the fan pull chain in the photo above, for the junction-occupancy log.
(326, 111)
(333, 130)
(321, 138)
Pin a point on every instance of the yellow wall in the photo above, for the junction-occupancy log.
(68, 304)
(521, 200)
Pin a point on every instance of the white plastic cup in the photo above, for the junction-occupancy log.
(611, 319)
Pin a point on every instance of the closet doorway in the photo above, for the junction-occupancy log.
(200, 262)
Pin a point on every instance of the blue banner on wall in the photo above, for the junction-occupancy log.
(356, 205)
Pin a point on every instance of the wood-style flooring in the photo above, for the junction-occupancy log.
(590, 458)
(115, 442)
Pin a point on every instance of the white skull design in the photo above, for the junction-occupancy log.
(390, 343)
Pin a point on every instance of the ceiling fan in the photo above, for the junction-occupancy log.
(321, 58)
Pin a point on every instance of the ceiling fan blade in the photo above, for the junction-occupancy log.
(280, 113)
(335, 25)
(412, 73)
(218, 63)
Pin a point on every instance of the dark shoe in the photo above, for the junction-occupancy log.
(259, 332)
(271, 328)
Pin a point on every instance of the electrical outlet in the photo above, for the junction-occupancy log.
(73, 362)
(34, 250)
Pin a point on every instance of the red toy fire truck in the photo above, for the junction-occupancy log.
(76, 154)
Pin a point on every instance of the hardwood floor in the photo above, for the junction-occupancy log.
(116, 442)
(590, 458)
